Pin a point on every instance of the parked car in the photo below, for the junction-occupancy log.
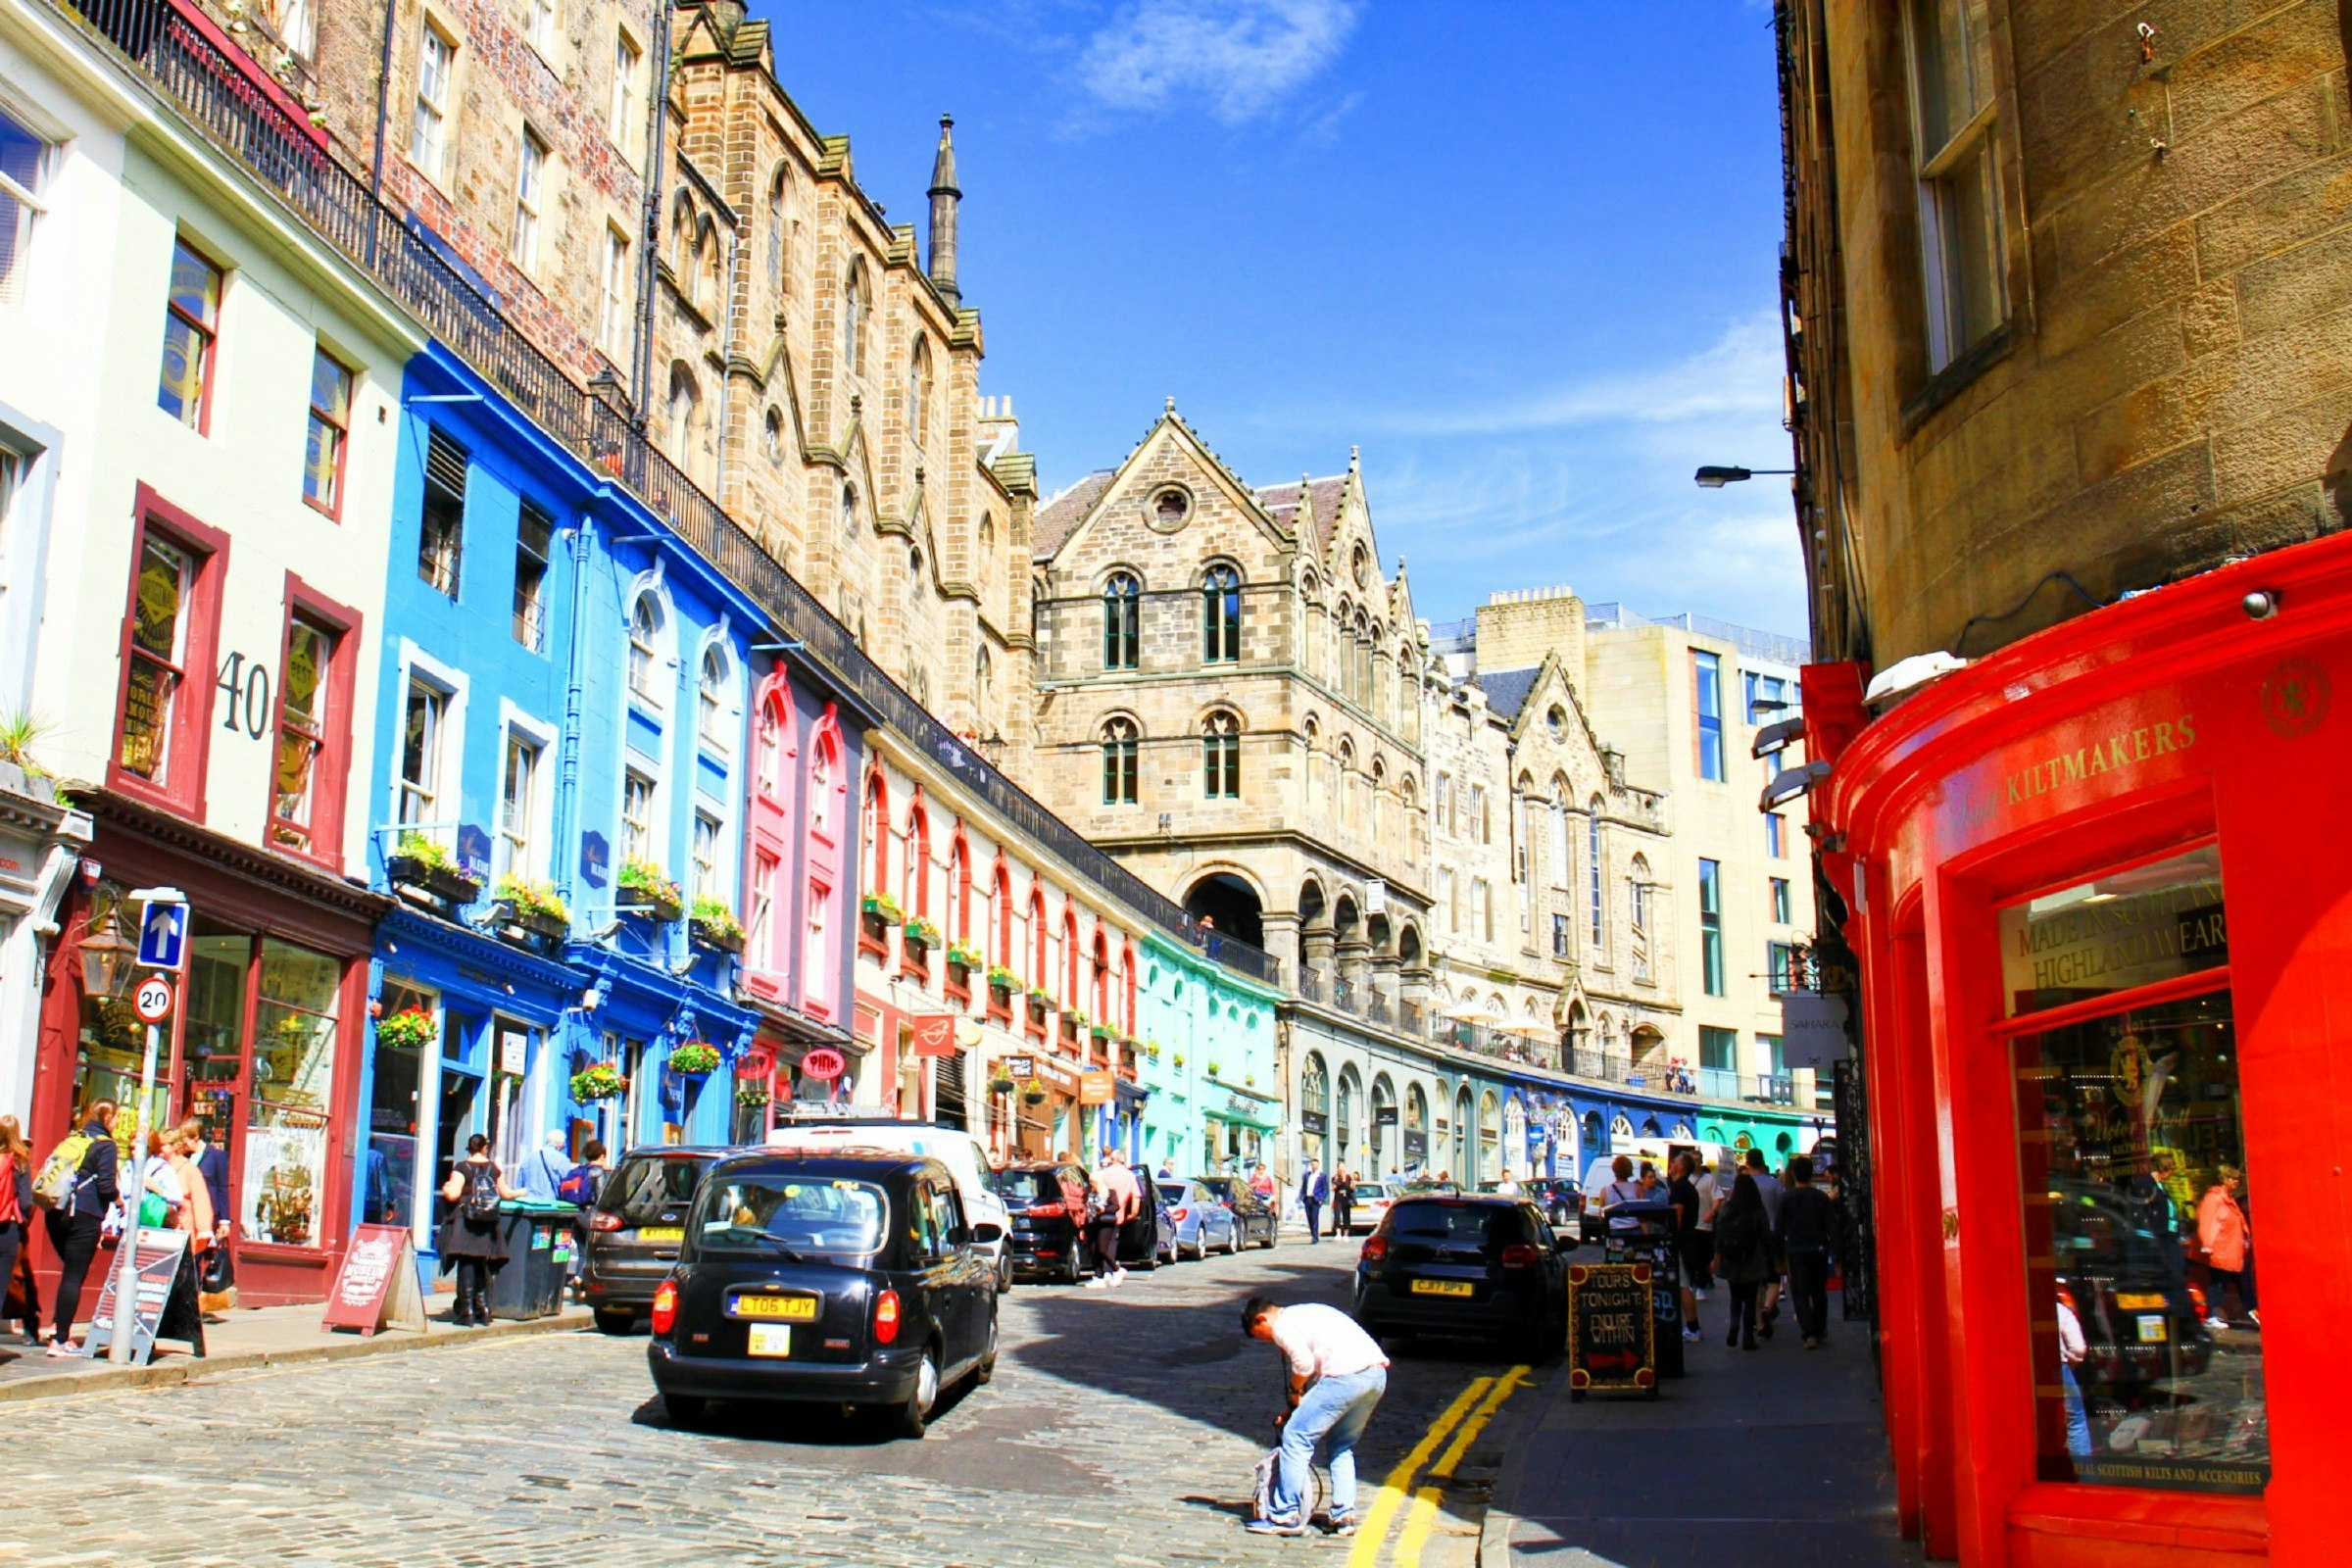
(1258, 1221)
(1481, 1267)
(1558, 1196)
(2142, 1321)
(1372, 1201)
(1200, 1218)
(635, 1228)
(1047, 1204)
(953, 1146)
(839, 1278)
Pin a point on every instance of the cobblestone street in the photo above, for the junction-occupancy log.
(1121, 1428)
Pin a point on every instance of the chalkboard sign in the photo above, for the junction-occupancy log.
(1612, 1338)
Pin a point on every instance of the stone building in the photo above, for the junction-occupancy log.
(2065, 294)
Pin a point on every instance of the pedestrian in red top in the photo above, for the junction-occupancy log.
(2227, 1244)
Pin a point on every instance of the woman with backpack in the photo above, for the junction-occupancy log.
(1744, 1255)
(16, 1213)
(469, 1239)
(80, 1182)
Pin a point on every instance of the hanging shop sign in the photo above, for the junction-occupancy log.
(823, 1064)
(1095, 1087)
(756, 1064)
(377, 1287)
(931, 1034)
(1384, 1115)
(1314, 1121)
(1813, 1029)
(1020, 1066)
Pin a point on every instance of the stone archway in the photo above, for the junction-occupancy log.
(1232, 904)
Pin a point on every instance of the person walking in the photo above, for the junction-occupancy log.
(17, 1205)
(2073, 1350)
(168, 1157)
(1337, 1375)
(2227, 1242)
(1743, 1252)
(580, 1187)
(80, 1211)
(1107, 1210)
(1314, 1191)
(469, 1241)
(1770, 1189)
(1343, 1203)
(1808, 1221)
(1694, 1246)
(1711, 1192)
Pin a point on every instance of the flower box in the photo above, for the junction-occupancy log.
(444, 882)
(712, 937)
(651, 903)
(751, 1095)
(1101, 1031)
(920, 932)
(883, 904)
(554, 926)
(1003, 981)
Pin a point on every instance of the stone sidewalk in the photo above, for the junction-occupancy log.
(1770, 1458)
(244, 1341)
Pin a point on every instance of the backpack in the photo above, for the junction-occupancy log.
(61, 1173)
(480, 1203)
(579, 1185)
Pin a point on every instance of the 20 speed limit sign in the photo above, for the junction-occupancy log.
(153, 1000)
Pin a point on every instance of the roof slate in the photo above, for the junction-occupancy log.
(1281, 502)
(1060, 517)
(1506, 690)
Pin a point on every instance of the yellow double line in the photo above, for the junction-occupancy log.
(1461, 1421)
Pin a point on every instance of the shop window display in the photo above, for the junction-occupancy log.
(410, 1023)
(2147, 1336)
(294, 1049)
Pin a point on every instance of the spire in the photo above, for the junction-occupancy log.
(944, 197)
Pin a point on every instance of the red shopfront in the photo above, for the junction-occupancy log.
(2101, 884)
(265, 1045)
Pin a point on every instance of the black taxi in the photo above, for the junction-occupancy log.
(848, 1277)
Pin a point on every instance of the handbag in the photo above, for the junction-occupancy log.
(154, 1211)
(218, 1273)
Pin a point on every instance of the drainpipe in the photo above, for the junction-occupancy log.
(567, 785)
(656, 140)
(383, 117)
(726, 376)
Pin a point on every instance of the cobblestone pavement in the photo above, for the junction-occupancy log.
(1121, 1428)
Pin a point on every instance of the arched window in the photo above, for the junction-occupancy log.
(645, 650)
(1100, 1007)
(959, 890)
(1314, 777)
(706, 267)
(918, 392)
(767, 765)
(772, 440)
(1221, 757)
(984, 681)
(999, 909)
(1127, 985)
(1380, 779)
(1556, 846)
(1041, 967)
(1346, 783)
(917, 881)
(1221, 615)
(1410, 799)
(877, 832)
(1071, 991)
(823, 764)
(1638, 886)
(1119, 762)
(681, 237)
(853, 320)
(710, 693)
(776, 232)
(685, 414)
(1592, 853)
(1122, 618)
(849, 511)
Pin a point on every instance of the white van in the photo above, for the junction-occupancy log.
(952, 1146)
(1658, 1151)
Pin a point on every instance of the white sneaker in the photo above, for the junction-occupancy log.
(1098, 1282)
(2217, 1323)
(1118, 1276)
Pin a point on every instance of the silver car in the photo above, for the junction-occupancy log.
(1202, 1220)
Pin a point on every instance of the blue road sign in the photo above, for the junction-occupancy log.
(162, 935)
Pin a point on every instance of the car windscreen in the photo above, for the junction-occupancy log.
(1370, 1192)
(1176, 1192)
(1454, 1226)
(1021, 1189)
(767, 1215)
(644, 1191)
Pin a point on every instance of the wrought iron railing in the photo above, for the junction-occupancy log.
(191, 62)
(1719, 1083)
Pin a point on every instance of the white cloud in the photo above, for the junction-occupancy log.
(1241, 58)
(1737, 376)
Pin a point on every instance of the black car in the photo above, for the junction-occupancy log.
(1047, 1203)
(844, 1278)
(1254, 1219)
(1559, 1198)
(635, 1228)
(1475, 1265)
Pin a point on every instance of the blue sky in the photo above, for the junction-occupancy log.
(1523, 254)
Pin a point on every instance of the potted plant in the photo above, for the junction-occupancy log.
(601, 1081)
(645, 891)
(920, 932)
(751, 1097)
(1002, 1084)
(1214, 1068)
(1151, 1049)
(409, 1029)
(416, 862)
(1178, 1060)
(712, 926)
(694, 1060)
(1248, 1080)
(538, 906)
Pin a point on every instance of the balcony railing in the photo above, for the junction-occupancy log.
(1775, 1089)
(1719, 1083)
(193, 64)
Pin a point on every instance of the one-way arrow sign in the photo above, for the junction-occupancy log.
(162, 935)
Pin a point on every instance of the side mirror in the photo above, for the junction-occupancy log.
(987, 1233)
(1564, 1244)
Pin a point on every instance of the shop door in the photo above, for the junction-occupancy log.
(462, 1097)
(388, 1164)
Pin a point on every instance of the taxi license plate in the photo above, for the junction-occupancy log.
(1441, 1287)
(791, 1309)
(772, 1339)
(661, 1233)
(2138, 1302)
(2152, 1329)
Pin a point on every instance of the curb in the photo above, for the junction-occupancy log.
(188, 1369)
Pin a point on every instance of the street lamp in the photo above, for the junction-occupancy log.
(105, 959)
(1714, 476)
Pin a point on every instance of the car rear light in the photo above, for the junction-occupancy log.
(886, 1317)
(2196, 1299)
(1520, 1255)
(666, 1306)
(1046, 1211)
(1376, 1248)
(1180, 1215)
(603, 1220)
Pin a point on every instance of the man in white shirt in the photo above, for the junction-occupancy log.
(1337, 1376)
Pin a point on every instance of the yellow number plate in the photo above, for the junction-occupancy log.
(2138, 1302)
(661, 1233)
(791, 1309)
(2153, 1329)
(1441, 1287)
(770, 1338)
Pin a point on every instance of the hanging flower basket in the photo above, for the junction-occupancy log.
(751, 1097)
(603, 1081)
(1002, 1086)
(409, 1029)
(694, 1060)
(1032, 1096)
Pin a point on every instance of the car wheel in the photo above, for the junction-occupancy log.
(1003, 1272)
(686, 1409)
(1233, 1242)
(987, 1369)
(914, 1417)
(1273, 1234)
(1074, 1270)
(615, 1320)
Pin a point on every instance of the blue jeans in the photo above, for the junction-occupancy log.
(2078, 1419)
(1332, 1413)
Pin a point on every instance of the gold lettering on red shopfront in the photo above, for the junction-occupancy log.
(2124, 749)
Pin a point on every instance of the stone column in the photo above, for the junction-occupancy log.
(1280, 934)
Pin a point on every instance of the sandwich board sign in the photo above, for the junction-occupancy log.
(377, 1287)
